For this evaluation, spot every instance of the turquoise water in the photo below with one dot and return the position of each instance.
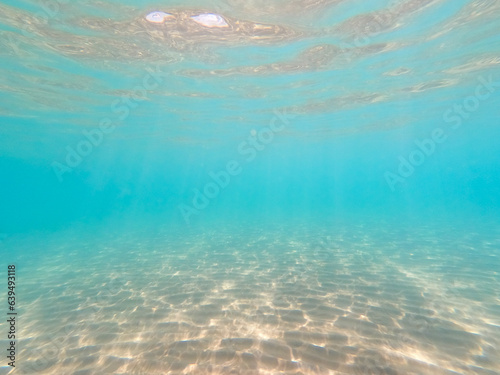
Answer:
(310, 187)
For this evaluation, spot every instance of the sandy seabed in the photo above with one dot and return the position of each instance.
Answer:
(334, 301)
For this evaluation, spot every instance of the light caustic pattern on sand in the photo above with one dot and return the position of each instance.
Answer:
(340, 301)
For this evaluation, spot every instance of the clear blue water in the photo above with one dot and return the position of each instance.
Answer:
(312, 188)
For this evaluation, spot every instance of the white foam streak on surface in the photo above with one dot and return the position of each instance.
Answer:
(210, 20)
(158, 17)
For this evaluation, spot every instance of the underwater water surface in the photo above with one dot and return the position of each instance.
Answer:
(250, 187)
